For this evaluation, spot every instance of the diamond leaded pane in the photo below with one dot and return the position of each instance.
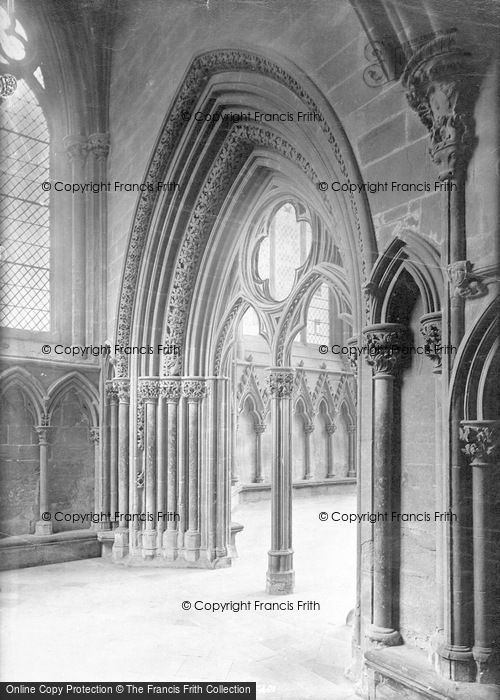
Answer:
(24, 213)
(318, 317)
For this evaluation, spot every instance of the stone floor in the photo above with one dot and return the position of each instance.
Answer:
(93, 621)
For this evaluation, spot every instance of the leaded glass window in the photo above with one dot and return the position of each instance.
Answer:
(24, 211)
(283, 251)
(318, 317)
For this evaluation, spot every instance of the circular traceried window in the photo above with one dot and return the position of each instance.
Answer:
(283, 251)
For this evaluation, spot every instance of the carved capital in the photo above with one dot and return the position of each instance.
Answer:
(94, 434)
(441, 88)
(98, 145)
(170, 389)
(308, 428)
(481, 441)
(76, 148)
(430, 328)
(43, 434)
(385, 346)
(149, 389)
(281, 383)
(194, 389)
(464, 283)
(260, 428)
(111, 390)
(122, 386)
(352, 358)
(331, 428)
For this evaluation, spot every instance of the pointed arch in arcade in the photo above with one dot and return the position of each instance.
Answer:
(180, 284)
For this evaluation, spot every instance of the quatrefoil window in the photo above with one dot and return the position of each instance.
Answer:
(283, 251)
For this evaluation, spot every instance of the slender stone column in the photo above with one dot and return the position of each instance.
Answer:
(219, 484)
(442, 89)
(98, 146)
(235, 476)
(233, 427)
(351, 452)
(170, 390)
(259, 430)
(137, 492)
(94, 437)
(280, 573)
(105, 461)
(430, 328)
(43, 527)
(384, 342)
(194, 390)
(149, 390)
(330, 429)
(161, 461)
(121, 542)
(112, 468)
(482, 448)
(308, 429)
(76, 149)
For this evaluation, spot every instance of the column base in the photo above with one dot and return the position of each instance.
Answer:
(149, 543)
(330, 476)
(135, 538)
(386, 636)
(192, 542)
(280, 582)
(487, 664)
(43, 527)
(456, 663)
(170, 551)
(120, 544)
(307, 477)
(280, 577)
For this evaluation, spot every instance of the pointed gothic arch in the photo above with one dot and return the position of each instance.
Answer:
(77, 382)
(229, 150)
(29, 386)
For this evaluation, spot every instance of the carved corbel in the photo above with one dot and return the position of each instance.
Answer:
(76, 148)
(463, 282)
(441, 88)
(98, 145)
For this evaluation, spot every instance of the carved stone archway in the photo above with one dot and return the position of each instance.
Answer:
(181, 246)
